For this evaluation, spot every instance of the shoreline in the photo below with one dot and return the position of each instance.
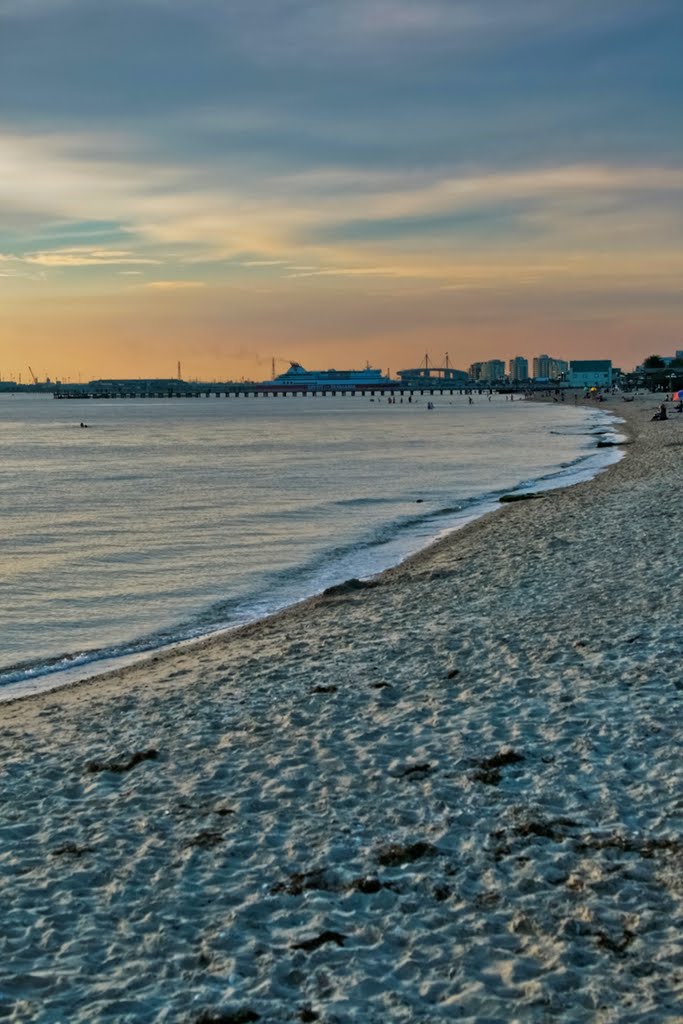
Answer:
(453, 792)
(69, 670)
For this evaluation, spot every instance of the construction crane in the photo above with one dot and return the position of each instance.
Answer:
(33, 376)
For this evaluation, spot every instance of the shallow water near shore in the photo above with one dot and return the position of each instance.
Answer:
(170, 520)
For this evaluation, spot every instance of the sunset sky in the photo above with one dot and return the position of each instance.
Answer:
(221, 182)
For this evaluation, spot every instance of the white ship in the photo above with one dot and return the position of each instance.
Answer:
(324, 380)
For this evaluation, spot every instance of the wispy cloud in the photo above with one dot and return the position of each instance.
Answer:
(172, 286)
(350, 272)
(84, 258)
(262, 263)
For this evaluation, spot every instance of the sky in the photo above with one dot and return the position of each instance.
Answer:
(228, 182)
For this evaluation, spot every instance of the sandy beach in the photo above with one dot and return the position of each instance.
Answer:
(451, 794)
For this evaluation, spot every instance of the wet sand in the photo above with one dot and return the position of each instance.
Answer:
(453, 794)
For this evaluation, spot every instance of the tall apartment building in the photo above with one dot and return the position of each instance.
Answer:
(548, 368)
(558, 367)
(493, 370)
(542, 366)
(475, 371)
(519, 369)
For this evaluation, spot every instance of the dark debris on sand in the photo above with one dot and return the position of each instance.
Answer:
(309, 945)
(349, 587)
(489, 770)
(557, 830)
(241, 1016)
(123, 765)
(307, 1015)
(442, 892)
(370, 884)
(416, 772)
(616, 946)
(321, 879)
(396, 854)
(206, 839)
(305, 881)
(72, 848)
(645, 846)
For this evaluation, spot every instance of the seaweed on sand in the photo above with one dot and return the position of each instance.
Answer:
(124, 765)
(489, 770)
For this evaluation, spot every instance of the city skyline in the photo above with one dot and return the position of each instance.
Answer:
(348, 183)
(514, 369)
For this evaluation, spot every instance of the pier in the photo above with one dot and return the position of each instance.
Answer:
(180, 389)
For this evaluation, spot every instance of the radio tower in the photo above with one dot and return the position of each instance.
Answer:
(180, 377)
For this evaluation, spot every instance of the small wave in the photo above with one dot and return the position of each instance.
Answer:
(27, 670)
(365, 502)
(575, 432)
(447, 511)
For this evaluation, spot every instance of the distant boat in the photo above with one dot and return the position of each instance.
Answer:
(324, 380)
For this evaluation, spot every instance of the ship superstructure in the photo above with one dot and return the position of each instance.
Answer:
(332, 379)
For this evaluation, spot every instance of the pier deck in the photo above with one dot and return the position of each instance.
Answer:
(436, 387)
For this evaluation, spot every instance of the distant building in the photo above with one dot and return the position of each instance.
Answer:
(558, 367)
(474, 371)
(493, 371)
(541, 366)
(519, 369)
(590, 373)
(548, 368)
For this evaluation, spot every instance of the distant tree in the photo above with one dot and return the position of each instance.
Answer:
(677, 362)
(654, 363)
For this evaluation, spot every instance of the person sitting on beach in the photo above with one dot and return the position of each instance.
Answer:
(661, 415)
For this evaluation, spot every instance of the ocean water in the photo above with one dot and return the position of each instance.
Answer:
(170, 519)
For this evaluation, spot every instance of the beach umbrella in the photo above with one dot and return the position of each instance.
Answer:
(677, 396)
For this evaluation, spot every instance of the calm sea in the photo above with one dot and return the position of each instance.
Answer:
(169, 519)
